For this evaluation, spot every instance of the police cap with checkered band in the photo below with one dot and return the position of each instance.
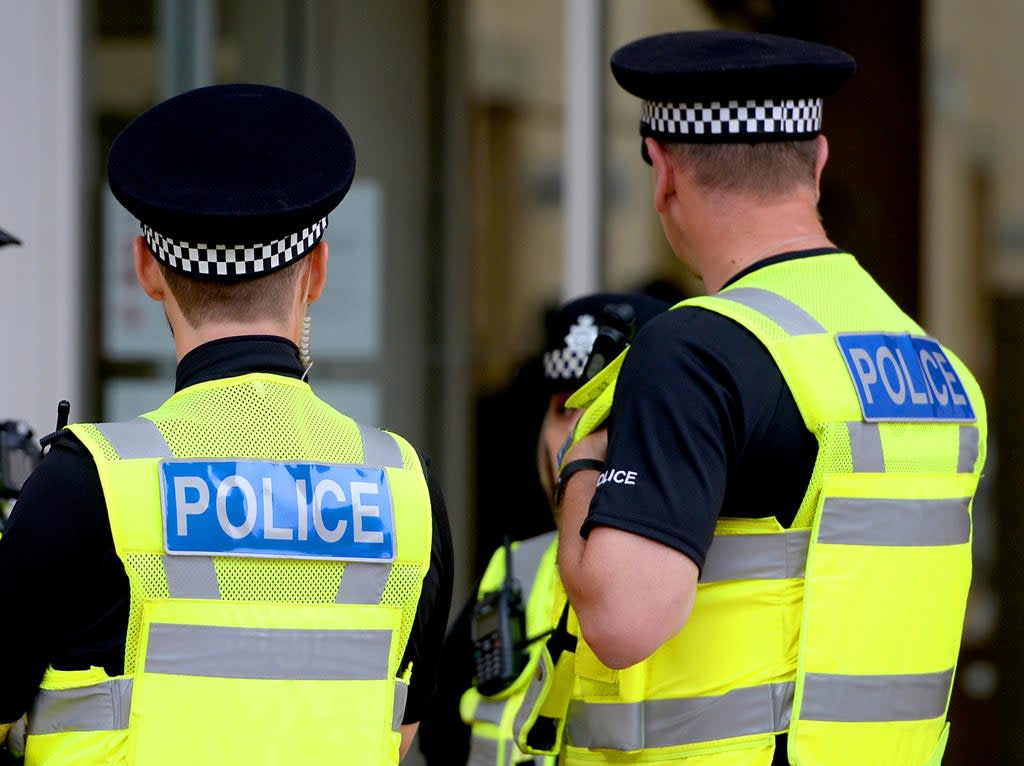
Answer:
(571, 329)
(719, 86)
(232, 182)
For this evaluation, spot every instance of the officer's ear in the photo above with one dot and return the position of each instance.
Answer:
(317, 265)
(820, 158)
(664, 175)
(147, 271)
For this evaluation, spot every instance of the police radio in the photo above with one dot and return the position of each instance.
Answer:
(614, 334)
(498, 630)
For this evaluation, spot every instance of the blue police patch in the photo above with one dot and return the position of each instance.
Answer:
(902, 377)
(270, 509)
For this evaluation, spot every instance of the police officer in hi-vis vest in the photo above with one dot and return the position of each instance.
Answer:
(466, 726)
(244, 574)
(772, 564)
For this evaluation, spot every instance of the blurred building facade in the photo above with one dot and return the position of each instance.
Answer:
(451, 245)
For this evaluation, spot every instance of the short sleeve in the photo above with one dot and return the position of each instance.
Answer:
(672, 437)
(703, 425)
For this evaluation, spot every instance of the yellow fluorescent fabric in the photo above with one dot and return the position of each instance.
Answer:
(276, 660)
(852, 649)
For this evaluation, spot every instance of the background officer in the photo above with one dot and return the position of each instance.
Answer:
(244, 575)
(780, 540)
(445, 739)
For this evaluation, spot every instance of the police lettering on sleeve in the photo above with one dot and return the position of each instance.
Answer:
(617, 476)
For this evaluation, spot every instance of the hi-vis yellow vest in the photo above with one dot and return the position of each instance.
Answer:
(844, 629)
(275, 551)
(498, 722)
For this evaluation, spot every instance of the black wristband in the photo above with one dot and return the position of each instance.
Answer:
(573, 467)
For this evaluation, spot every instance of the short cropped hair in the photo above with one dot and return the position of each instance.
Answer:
(765, 170)
(265, 297)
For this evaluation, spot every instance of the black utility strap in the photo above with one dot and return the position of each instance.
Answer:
(561, 639)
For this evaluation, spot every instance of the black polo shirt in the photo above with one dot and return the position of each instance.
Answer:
(64, 590)
(703, 425)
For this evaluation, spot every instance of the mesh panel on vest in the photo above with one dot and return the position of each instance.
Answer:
(146, 571)
(279, 580)
(269, 421)
(402, 579)
(920, 447)
(108, 451)
(834, 270)
(909, 448)
(833, 457)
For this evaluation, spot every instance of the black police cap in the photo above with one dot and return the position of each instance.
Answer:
(571, 330)
(232, 181)
(720, 86)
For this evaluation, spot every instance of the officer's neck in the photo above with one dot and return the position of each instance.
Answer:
(188, 338)
(728, 233)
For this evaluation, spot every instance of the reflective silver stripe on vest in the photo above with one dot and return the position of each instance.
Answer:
(877, 521)
(756, 557)
(868, 456)
(859, 699)
(279, 654)
(786, 314)
(191, 577)
(969, 438)
(139, 438)
(866, 447)
(483, 751)
(363, 583)
(533, 692)
(526, 559)
(101, 707)
(380, 447)
(490, 711)
(669, 722)
(401, 697)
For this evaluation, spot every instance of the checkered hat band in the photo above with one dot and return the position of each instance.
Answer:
(565, 363)
(733, 118)
(200, 259)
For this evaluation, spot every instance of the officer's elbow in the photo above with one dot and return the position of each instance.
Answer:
(637, 599)
(621, 642)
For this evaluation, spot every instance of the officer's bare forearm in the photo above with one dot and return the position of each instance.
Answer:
(586, 580)
(630, 593)
(575, 505)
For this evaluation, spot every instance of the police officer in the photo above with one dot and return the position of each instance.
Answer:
(489, 733)
(778, 542)
(243, 575)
